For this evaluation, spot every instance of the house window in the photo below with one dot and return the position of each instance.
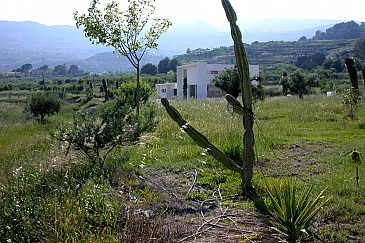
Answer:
(185, 73)
(192, 91)
(175, 92)
(163, 90)
(214, 72)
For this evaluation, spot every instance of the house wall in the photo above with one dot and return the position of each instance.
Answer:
(200, 75)
(168, 87)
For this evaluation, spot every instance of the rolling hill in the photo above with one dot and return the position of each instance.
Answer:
(29, 42)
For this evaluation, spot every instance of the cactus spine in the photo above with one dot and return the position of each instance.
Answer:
(245, 110)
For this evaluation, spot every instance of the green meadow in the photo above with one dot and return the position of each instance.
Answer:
(165, 188)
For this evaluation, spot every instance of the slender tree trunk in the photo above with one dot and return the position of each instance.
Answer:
(363, 75)
(138, 88)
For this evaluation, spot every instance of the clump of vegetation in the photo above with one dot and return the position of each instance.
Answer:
(42, 104)
(291, 210)
(112, 124)
(229, 82)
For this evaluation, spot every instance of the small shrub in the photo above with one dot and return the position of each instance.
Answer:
(42, 105)
(113, 124)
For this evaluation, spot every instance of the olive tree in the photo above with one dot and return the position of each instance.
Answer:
(43, 104)
(124, 31)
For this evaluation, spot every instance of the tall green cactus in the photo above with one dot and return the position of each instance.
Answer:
(248, 119)
(245, 110)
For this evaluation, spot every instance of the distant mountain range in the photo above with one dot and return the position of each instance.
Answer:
(29, 42)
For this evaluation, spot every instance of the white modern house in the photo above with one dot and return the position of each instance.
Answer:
(166, 90)
(199, 76)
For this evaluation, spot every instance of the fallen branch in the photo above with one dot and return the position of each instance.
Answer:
(193, 184)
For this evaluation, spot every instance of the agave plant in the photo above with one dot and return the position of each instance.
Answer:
(292, 212)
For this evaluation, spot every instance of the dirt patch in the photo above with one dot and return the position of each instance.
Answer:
(210, 220)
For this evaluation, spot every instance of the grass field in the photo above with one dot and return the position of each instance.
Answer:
(169, 185)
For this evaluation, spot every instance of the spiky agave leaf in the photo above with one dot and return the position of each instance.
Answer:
(292, 212)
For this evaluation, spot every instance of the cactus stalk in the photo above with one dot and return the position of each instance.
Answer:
(245, 110)
(248, 119)
(199, 138)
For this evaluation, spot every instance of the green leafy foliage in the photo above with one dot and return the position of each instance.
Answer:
(24, 68)
(228, 81)
(43, 104)
(124, 30)
(149, 68)
(126, 92)
(167, 64)
(113, 124)
(344, 30)
(298, 83)
(291, 210)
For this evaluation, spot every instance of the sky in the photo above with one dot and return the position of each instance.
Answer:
(60, 12)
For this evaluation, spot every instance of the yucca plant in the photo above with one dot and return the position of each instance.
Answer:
(291, 210)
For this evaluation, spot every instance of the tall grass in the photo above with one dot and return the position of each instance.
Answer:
(46, 194)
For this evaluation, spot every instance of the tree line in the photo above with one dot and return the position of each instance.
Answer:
(164, 66)
(59, 70)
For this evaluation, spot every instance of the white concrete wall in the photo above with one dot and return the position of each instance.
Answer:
(169, 87)
(201, 75)
(254, 70)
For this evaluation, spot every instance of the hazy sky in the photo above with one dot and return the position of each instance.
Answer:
(59, 12)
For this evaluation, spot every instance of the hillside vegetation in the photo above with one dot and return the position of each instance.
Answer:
(337, 41)
(169, 184)
(63, 180)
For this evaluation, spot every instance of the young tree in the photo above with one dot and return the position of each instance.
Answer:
(228, 81)
(124, 30)
(298, 83)
(113, 124)
(185, 87)
(43, 104)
